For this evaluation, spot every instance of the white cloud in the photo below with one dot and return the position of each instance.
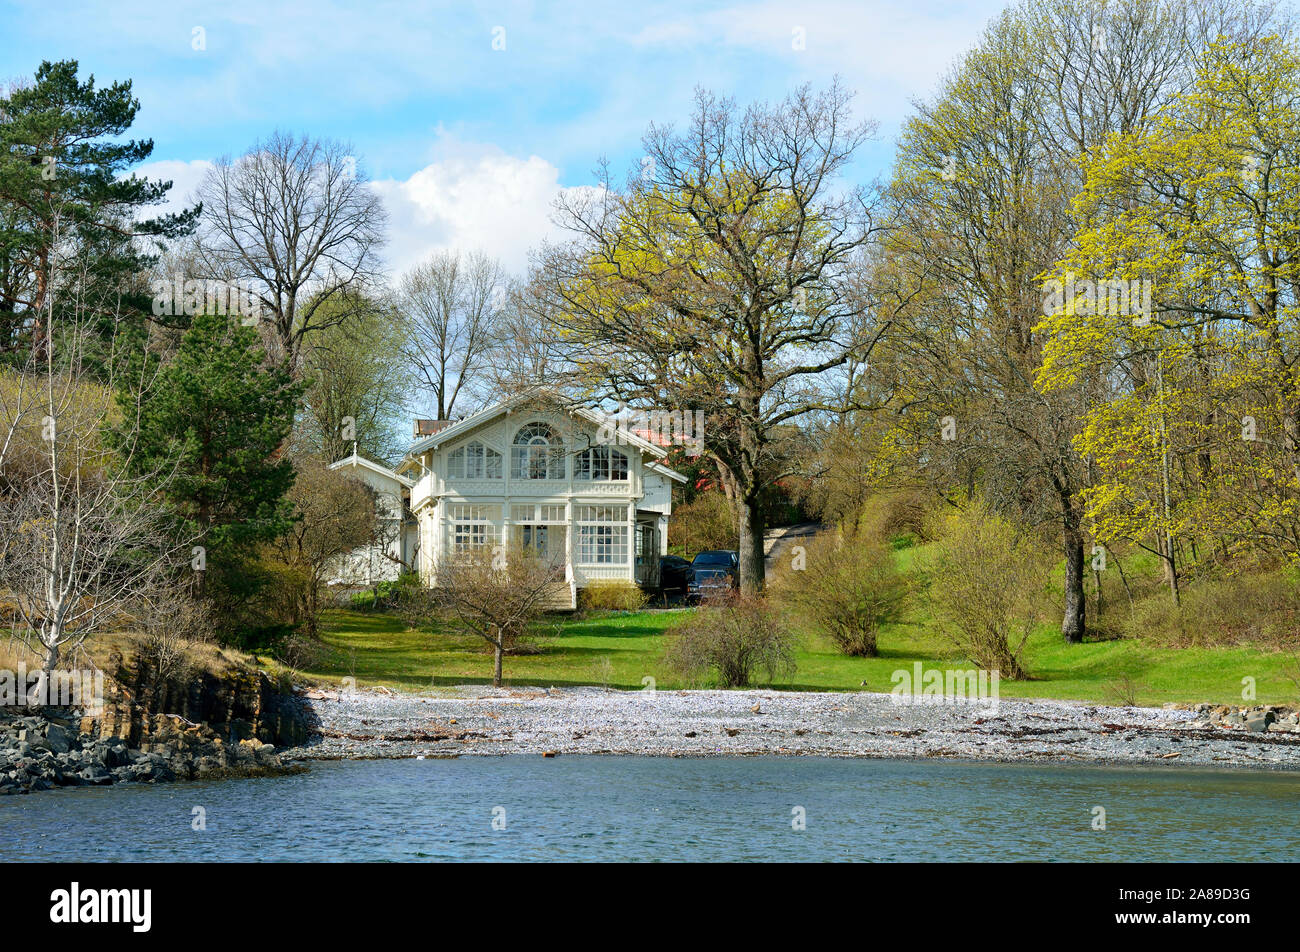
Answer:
(888, 51)
(184, 176)
(471, 199)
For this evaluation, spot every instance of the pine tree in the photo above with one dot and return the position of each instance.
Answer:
(63, 185)
(220, 413)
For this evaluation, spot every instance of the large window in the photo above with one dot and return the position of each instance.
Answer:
(538, 512)
(602, 534)
(538, 453)
(601, 462)
(472, 526)
(474, 461)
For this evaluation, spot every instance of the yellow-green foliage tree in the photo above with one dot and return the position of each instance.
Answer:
(723, 279)
(1195, 436)
(982, 192)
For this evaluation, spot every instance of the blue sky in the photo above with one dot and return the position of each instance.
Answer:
(467, 143)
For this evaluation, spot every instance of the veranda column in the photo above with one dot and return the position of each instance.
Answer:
(631, 540)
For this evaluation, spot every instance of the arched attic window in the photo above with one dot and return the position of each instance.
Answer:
(537, 453)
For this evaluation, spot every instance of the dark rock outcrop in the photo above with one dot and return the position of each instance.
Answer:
(42, 751)
(156, 728)
(238, 704)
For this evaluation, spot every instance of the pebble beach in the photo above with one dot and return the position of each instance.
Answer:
(474, 720)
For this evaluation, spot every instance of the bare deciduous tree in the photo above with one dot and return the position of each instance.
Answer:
(83, 539)
(335, 514)
(449, 307)
(296, 219)
(490, 592)
(525, 352)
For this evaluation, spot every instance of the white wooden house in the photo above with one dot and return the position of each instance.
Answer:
(396, 548)
(540, 472)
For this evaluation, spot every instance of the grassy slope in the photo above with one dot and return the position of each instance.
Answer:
(376, 649)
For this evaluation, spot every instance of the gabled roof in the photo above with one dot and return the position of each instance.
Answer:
(670, 473)
(487, 414)
(356, 460)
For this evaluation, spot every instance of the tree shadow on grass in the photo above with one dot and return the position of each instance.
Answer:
(602, 631)
(542, 682)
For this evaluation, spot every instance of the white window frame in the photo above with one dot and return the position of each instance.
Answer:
(601, 464)
(470, 526)
(537, 453)
(602, 534)
(474, 460)
(545, 513)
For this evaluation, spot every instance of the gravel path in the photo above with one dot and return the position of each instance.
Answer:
(777, 543)
(476, 720)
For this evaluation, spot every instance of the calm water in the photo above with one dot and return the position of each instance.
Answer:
(633, 808)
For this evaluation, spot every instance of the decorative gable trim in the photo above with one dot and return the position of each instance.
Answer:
(356, 460)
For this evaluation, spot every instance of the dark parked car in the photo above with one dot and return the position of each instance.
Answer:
(713, 572)
(674, 573)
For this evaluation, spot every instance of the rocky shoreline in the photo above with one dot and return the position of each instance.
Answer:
(483, 721)
(221, 718)
(46, 750)
(41, 751)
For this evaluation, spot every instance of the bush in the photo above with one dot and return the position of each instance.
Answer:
(848, 589)
(612, 595)
(1260, 609)
(260, 638)
(731, 636)
(900, 518)
(385, 595)
(170, 628)
(986, 586)
(298, 651)
(705, 523)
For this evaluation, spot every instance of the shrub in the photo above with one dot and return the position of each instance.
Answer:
(298, 651)
(986, 586)
(612, 595)
(731, 636)
(900, 518)
(385, 595)
(284, 598)
(848, 589)
(705, 523)
(268, 638)
(1259, 609)
(170, 628)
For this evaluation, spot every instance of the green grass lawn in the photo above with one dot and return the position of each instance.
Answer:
(622, 649)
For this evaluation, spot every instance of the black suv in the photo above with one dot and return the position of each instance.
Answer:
(713, 572)
(674, 573)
